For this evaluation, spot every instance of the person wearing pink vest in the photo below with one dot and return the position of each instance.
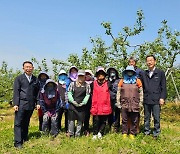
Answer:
(101, 104)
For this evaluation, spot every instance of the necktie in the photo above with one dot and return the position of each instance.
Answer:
(29, 78)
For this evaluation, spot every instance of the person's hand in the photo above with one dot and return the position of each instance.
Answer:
(81, 104)
(47, 113)
(118, 105)
(16, 108)
(75, 103)
(161, 101)
(38, 107)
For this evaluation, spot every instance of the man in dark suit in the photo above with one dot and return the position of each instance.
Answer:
(26, 90)
(154, 87)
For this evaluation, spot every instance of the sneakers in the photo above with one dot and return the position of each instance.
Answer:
(116, 130)
(94, 137)
(131, 136)
(124, 136)
(99, 135)
(86, 133)
(155, 137)
(18, 146)
(69, 135)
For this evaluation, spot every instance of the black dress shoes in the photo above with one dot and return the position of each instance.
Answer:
(18, 146)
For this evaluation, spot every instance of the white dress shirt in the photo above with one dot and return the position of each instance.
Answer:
(28, 77)
(151, 72)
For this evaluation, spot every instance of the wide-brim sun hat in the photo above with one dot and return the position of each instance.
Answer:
(72, 68)
(100, 69)
(62, 72)
(81, 72)
(43, 72)
(50, 81)
(90, 72)
(129, 68)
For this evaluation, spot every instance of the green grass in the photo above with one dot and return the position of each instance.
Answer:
(168, 142)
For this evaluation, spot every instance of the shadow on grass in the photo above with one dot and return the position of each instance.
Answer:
(35, 135)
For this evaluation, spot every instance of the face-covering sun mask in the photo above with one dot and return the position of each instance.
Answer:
(88, 77)
(130, 73)
(73, 76)
(50, 90)
(112, 76)
(43, 80)
(62, 78)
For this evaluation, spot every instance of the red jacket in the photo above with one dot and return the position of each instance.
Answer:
(101, 104)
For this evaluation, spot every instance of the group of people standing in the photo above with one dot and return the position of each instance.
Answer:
(80, 93)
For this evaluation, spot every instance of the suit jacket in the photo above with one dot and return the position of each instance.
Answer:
(25, 92)
(154, 88)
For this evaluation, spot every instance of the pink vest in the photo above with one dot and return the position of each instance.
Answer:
(101, 104)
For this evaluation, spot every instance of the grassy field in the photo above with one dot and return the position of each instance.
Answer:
(168, 142)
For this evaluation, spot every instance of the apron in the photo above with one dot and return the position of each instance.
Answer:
(77, 113)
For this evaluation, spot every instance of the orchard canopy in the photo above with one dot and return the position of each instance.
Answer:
(166, 47)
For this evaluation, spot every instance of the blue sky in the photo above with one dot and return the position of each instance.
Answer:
(55, 28)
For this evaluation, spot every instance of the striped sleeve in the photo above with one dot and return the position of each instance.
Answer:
(139, 83)
(120, 83)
